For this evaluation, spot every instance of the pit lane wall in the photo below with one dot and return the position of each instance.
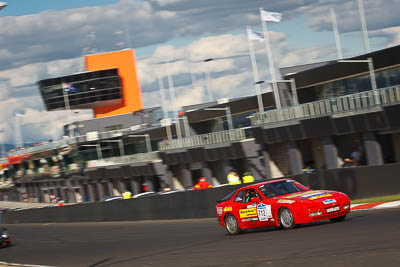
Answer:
(357, 182)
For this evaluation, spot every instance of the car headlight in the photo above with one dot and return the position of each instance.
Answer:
(4, 235)
(315, 212)
(345, 207)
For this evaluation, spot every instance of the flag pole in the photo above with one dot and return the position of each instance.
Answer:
(193, 77)
(255, 72)
(68, 108)
(336, 33)
(209, 87)
(270, 60)
(364, 26)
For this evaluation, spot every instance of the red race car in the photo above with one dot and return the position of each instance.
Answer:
(279, 203)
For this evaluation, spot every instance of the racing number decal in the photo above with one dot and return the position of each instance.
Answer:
(264, 212)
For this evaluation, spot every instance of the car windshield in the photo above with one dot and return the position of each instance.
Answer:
(280, 188)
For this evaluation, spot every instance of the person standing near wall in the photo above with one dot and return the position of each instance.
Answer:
(248, 178)
(233, 178)
(126, 195)
(202, 184)
(356, 156)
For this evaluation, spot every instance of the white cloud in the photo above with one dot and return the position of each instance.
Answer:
(190, 96)
(348, 16)
(166, 2)
(392, 35)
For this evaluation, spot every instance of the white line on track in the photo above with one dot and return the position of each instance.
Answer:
(25, 265)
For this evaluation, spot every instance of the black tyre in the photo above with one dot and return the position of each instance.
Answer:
(286, 219)
(231, 225)
(338, 219)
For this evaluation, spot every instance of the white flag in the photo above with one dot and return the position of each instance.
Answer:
(271, 16)
(255, 35)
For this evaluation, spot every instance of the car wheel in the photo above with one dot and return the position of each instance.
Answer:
(338, 219)
(232, 225)
(286, 220)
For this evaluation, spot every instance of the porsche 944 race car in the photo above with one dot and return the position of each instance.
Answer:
(279, 203)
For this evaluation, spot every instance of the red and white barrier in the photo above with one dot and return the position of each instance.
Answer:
(377, 205)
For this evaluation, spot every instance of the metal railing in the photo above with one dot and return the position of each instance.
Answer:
(203, 139)
(115, 133)
(42, 147)
(70, 141)
(344, 105)
(129, 159)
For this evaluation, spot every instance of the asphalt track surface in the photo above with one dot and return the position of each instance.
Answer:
(365, 238)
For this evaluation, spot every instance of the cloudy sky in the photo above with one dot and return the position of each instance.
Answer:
(45, 38)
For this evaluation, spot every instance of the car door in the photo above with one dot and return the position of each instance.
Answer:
(265, 208)
(250, 209)
(244, 212)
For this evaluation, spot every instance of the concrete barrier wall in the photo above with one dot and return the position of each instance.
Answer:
(360, 182)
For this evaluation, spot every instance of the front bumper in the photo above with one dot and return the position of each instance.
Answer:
(330, 215)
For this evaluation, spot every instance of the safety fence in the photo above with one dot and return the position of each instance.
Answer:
(357, 103)
(203, 139)
(129, 159)
(57, 144)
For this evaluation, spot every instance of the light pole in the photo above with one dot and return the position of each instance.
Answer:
(19, 141)
(173, 99)
(185, 124)
(98, 148)
(3, 5)
(208, 78)
(228, 115)
(336, 33)
(2, 147)
(147, 138)
(255, 70)
(207, 72)
(371, 73)
(292, 85)
(120, 143)
(164, 106)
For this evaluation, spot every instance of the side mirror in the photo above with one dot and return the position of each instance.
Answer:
(255, 199)
(238, 199)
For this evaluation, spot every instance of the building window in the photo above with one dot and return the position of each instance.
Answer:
(384, 78)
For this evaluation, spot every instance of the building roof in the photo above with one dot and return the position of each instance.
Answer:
(310, 75)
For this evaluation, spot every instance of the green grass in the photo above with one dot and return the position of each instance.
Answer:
(376, 199)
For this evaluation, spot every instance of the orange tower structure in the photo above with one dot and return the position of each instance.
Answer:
(124, 61)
